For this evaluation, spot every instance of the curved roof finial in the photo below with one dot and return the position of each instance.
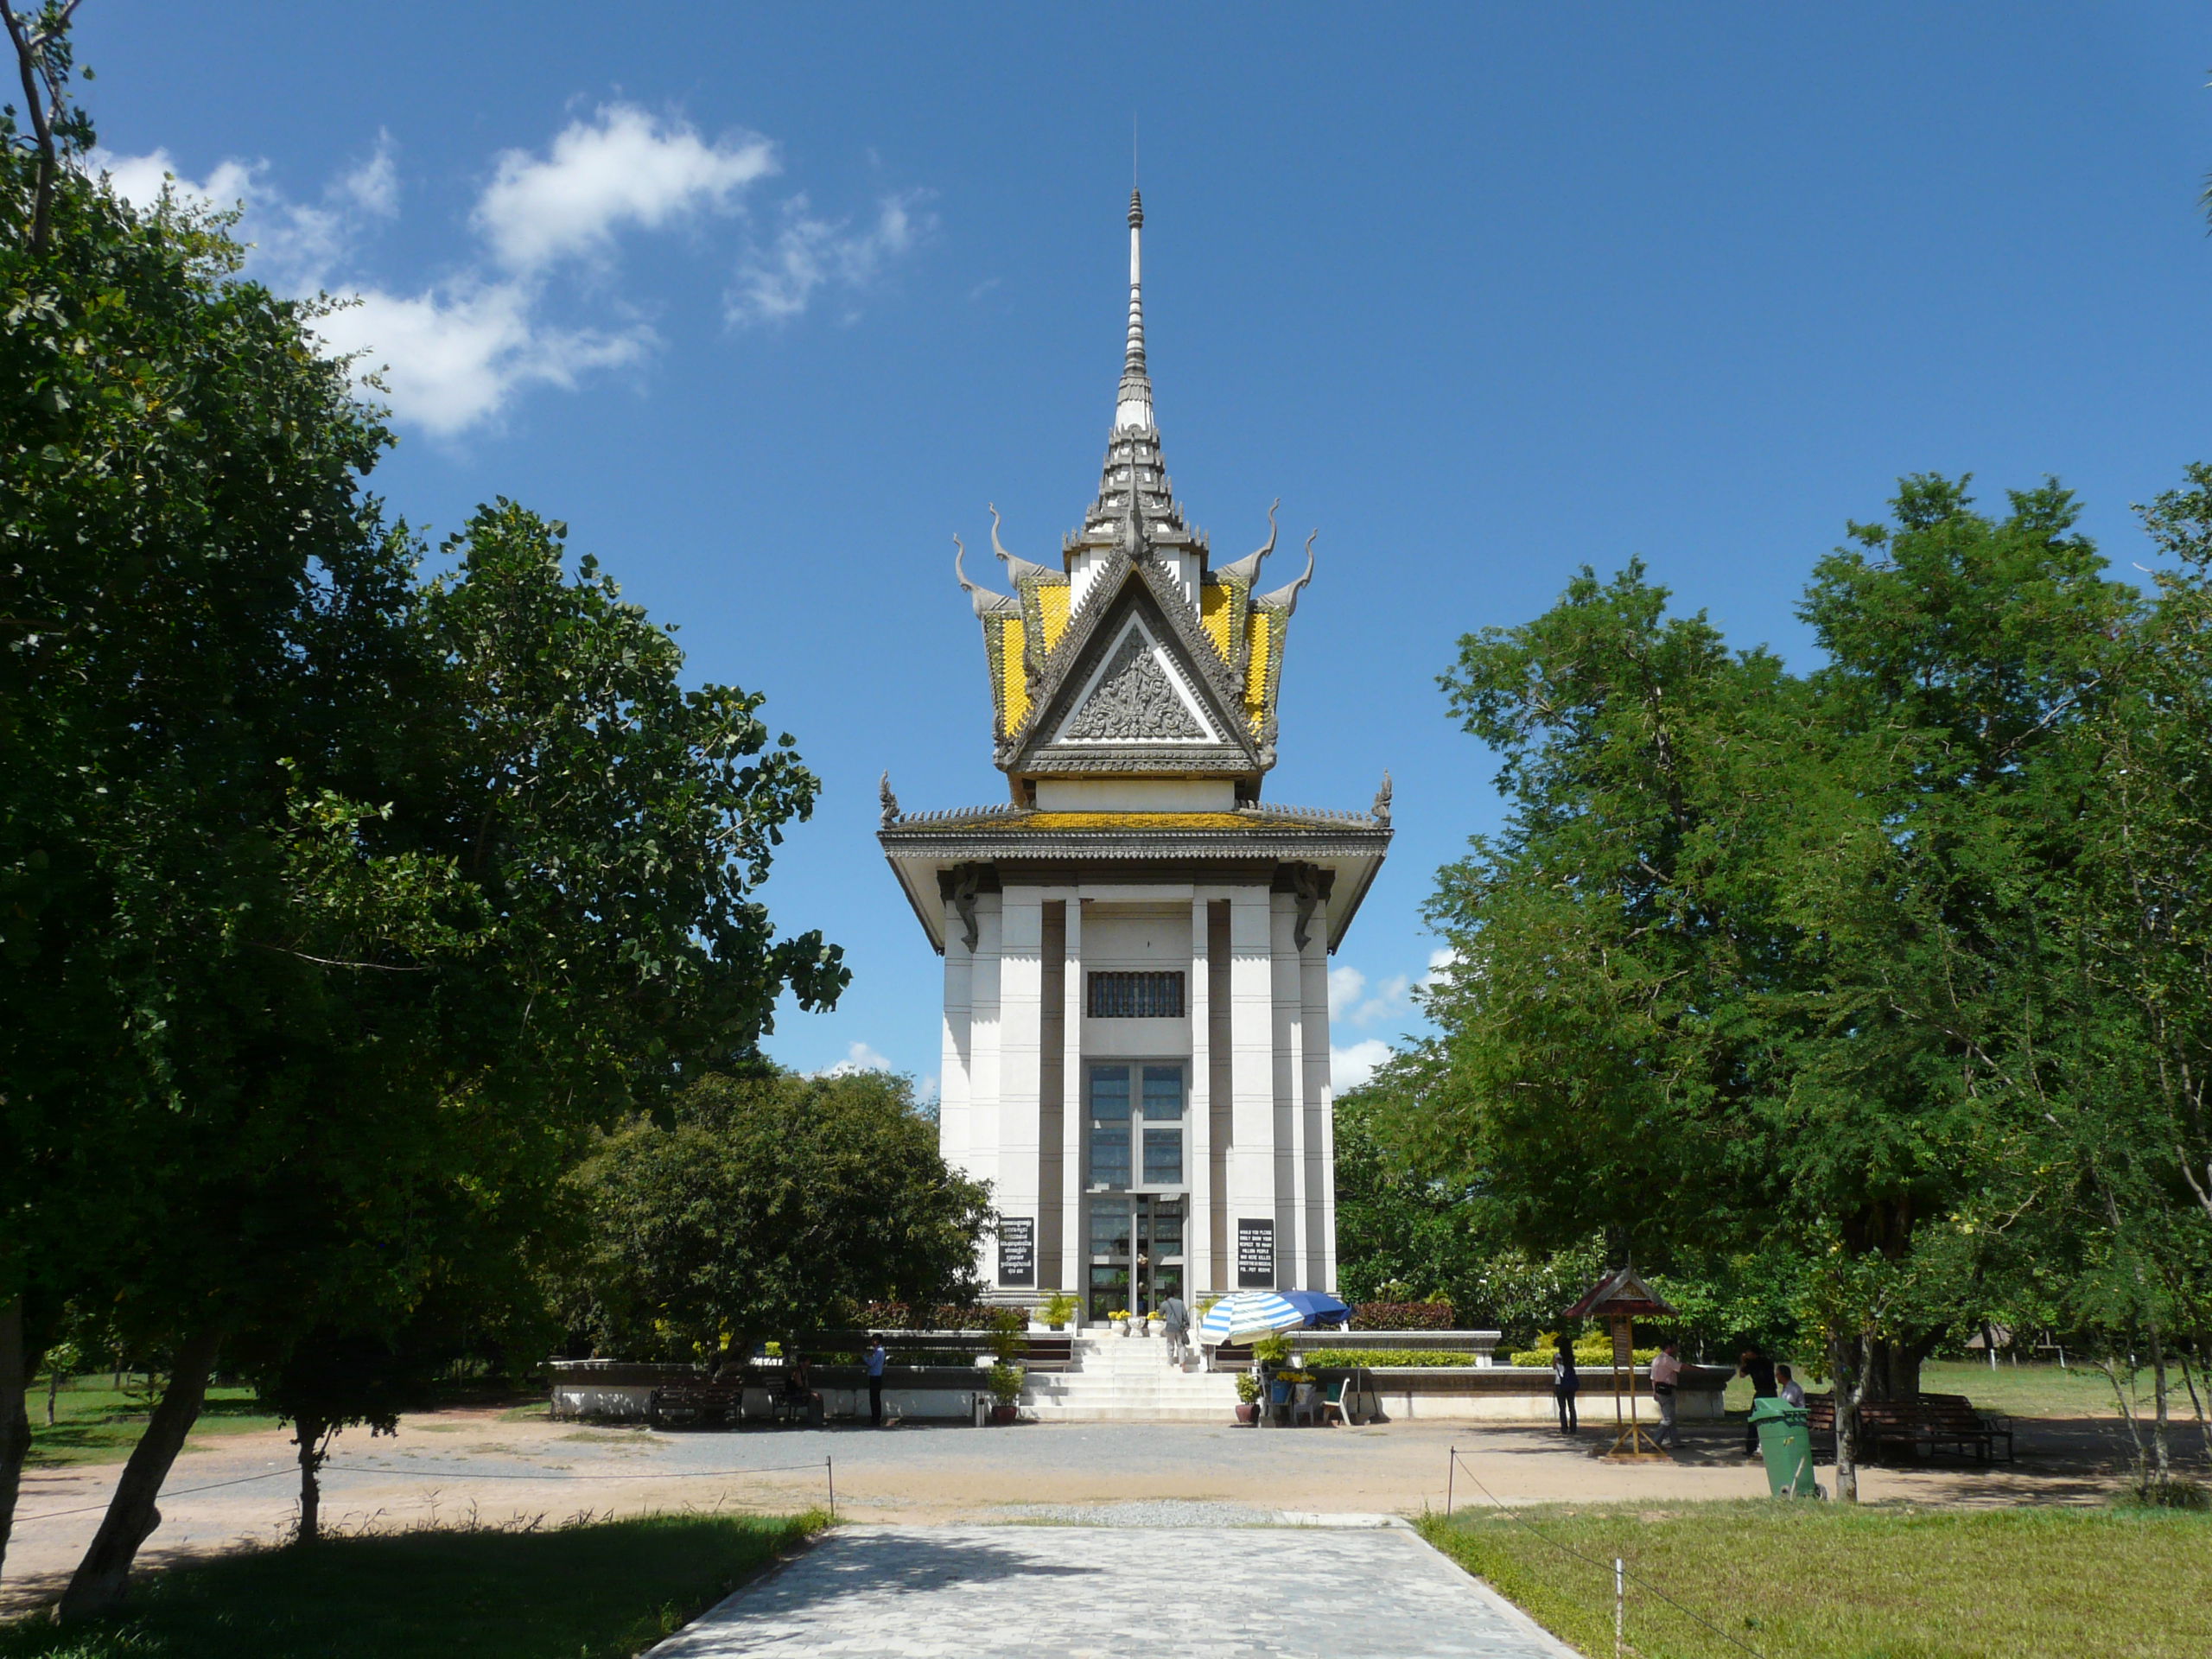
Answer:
(1247, 568)
(1285, 598)
(985, 601)
(1017, 568)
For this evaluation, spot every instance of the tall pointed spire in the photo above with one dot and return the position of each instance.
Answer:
(1133, 407)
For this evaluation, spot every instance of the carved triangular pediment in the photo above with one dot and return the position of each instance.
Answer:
(1134, 686)
(1136, 695)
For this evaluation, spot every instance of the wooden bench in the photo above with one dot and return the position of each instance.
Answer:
(1048, 1353)
(1928, 1422)
(698, 1402)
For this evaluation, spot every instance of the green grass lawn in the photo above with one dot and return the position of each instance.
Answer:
(95, 1423)
(2039, 1390)
(603, 1590)
(1807, 1580)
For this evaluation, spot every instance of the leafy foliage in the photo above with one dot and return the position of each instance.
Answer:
(768, 1204)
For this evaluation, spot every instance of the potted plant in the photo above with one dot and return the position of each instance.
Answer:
(1154, 1324)
(1121, 1318)
(1247, 1398)
(1059, 1308)
(1005, 1384)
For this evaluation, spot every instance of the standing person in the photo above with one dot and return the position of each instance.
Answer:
(1757, 1366)
(1666, 1373)
(1786, 1385)
(1565, 1384)
(1175, 1319)
(873, 1358)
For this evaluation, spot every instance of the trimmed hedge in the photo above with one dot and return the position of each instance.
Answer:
(1402, 1316)
(900, 1316)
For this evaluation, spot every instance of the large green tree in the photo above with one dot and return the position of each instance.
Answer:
(336, 910)
(767, 1205)
(1739, 970)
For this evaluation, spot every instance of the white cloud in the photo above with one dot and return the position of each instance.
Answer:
(625, 168)
(1350, 1067)
(1350, 1004)
(373, 187)
(858, 1059)
(778, 283)
(450, 359)
(453, 356)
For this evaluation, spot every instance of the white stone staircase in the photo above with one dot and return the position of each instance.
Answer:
(1127, 1380)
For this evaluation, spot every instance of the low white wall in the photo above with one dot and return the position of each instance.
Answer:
(1594, 1411)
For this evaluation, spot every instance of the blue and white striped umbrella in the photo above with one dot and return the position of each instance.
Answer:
(1247, 1314)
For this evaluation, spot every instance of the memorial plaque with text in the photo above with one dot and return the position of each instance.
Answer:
(1017, 1250)
(1256, 1254)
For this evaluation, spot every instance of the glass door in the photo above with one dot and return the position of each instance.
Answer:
(1135, 1151)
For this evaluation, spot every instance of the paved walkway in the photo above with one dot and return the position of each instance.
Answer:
(1228, 1592)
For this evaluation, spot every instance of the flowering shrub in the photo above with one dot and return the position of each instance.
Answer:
(1402, 1316)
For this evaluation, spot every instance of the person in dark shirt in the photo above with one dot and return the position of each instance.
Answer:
(1757, 1366)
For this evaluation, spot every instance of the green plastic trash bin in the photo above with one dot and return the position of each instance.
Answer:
(1786, 1444)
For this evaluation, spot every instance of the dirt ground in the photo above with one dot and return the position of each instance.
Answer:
(473, 1467)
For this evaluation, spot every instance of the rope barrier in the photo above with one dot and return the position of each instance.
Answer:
(827, 1466)
(1620, 1570)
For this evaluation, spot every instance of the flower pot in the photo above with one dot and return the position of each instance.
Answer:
(1248, 1414)
(1006, 1414)
(1121, 1328)
(1154, 1327)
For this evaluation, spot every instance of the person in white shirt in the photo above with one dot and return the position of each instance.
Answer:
(1666, 1372)
(1786, 1385)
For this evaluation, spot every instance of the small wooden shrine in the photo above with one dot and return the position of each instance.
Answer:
(1620, 1300)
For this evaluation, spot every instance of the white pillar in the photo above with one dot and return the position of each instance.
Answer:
(1316, 1109)
(1021, 991)
(1075, 1244)
(1290, 1077)
(1252, 1063)
(955, 1091)
(1198, 1228)
(983, 1049)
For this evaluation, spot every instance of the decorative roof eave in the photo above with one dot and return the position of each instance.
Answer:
(920, 853)
(1218, 680)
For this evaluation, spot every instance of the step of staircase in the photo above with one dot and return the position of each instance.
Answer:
(1129, 1380)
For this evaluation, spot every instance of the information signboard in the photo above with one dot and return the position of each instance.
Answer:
(1255, 1253)
(1017, 1250)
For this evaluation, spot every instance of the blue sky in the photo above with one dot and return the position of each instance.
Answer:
(768, 303)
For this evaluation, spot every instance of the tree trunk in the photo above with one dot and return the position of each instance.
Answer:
(2159, 1443)
(313, 1438)
(98, 1585)
(1848, 1378)
(14, 1420)
(52, 1392)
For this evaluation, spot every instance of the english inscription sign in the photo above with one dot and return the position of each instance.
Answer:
(1017, 1250)
(1256, 1254)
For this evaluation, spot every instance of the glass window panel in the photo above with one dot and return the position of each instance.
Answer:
(1110, 1092)
(1163, 1157)
(1163, 1092)
(1109, 1155)
(1167, 1235)
(1109, 1228)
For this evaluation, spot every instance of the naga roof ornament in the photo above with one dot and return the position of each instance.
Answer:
(1135, 656)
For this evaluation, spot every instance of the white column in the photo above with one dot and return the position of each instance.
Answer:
(1021, 977)
(1318, 1108)
(954, 1086)
(1252, 1063)
(983, 1048)
(1075, 1246)
(1290, 1077)
(1197, 1229)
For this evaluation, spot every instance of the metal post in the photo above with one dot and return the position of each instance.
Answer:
(1451, 1469)
(1620, 1604)
(830, 1466)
